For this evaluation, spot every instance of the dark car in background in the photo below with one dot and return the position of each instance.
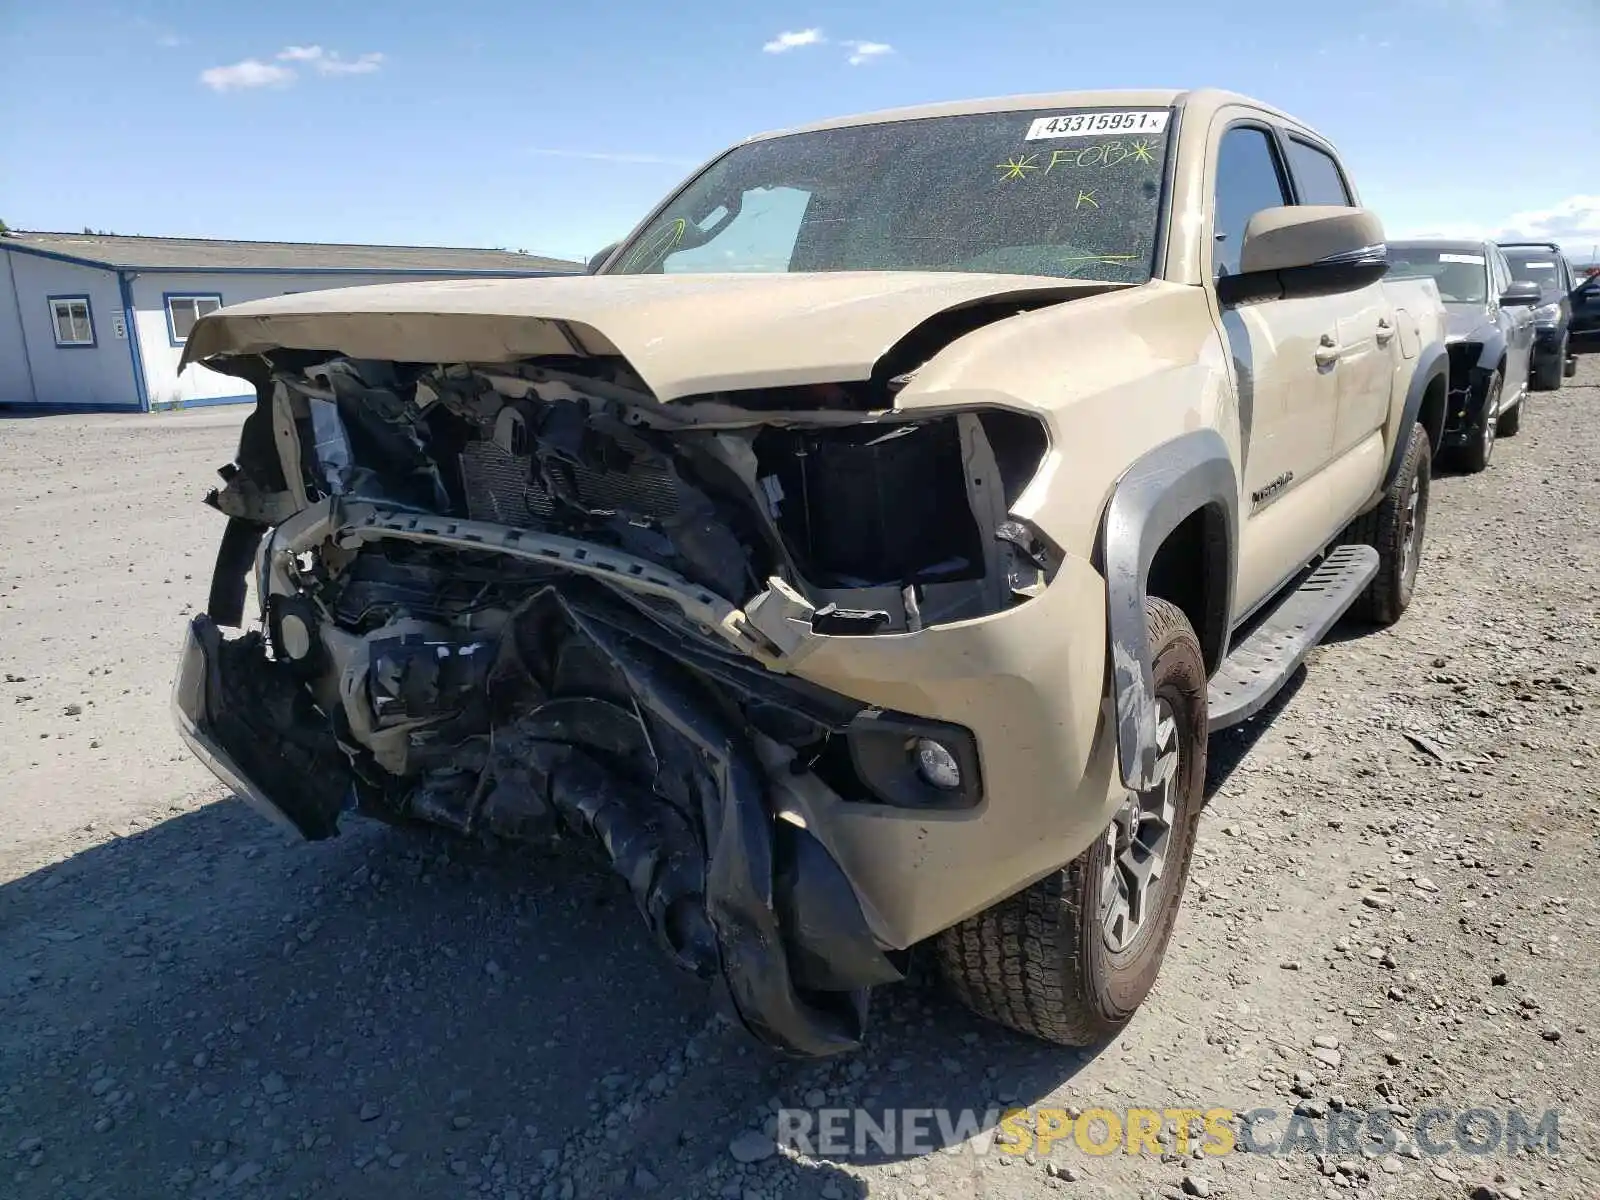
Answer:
(1585, 301)
(1490, 339)
(1543, 264)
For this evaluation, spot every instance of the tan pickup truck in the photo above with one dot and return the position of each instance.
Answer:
(858, 556)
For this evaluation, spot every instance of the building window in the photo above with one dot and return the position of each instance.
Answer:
(74, 324)
(184, 311)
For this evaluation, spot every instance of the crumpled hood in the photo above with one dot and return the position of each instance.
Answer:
(683, 334)
(1467, 322)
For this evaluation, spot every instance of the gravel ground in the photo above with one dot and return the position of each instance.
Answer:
(1393, 902)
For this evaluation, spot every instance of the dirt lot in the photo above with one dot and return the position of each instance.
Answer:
(1394, 902)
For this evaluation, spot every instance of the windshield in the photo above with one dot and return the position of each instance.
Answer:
(1537, 266)
(1073, 194)
(1461, 275)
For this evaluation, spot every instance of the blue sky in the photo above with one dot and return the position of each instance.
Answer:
(553, 127)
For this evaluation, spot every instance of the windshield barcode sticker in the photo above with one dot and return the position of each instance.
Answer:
(1471, 260)
(1540, 266)
(1092, 123)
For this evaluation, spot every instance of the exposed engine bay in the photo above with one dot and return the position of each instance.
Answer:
(527, 598)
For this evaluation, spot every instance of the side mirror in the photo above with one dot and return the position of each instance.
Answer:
(598, 258)
(1521, 295)
(1305, 250)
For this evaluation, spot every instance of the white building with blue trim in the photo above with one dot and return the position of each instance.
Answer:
(98, 321)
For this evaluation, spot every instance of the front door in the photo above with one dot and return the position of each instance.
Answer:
(1286, 363)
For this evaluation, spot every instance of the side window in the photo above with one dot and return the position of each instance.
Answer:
(1500, 276)
(1317, 177)
(1248, 180)
(73, 320)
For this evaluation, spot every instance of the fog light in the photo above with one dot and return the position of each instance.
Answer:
(937, 765)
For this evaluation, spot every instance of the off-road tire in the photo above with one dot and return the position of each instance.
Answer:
(1384, 529)
(1549, 374)
(1037, 961)
(1475, 455)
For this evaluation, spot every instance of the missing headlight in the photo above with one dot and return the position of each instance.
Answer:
(872, 505)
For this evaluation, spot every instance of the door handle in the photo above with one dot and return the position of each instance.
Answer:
(1327, 351)
(1385, 333)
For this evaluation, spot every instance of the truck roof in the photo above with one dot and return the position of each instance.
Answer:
(1202, 100)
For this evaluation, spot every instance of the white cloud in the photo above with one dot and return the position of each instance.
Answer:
(1573, 223)
(253, 73)
(170, 41)
(624, 156)
(793, 40)
(862, 53)
(247, 74)
(364, 64)
(330, 62)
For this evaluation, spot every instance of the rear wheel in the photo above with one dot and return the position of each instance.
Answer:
(1071, 957)
(1511, 422)
(1547, 375)
(1475, 455)
(1395, 530)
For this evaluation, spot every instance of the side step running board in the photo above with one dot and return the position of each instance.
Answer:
(1261, 664)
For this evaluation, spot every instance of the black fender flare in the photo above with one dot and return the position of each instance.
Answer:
(1432, 363)
(1152, 498)
(1494, 349)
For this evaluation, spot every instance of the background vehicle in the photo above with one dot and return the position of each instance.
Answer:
(1544, 264)
(1490, 340)
(862, 554)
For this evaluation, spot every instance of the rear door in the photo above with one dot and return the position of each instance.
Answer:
(1364, 323)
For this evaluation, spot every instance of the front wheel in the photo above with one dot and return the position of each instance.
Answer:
(1069, 958)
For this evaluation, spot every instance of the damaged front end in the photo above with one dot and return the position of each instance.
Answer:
(1469, 390)
(530, 598)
